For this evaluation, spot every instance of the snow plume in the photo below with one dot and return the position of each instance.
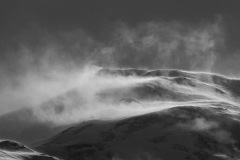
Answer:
(33, 71)
(94, 97)
(61, 100)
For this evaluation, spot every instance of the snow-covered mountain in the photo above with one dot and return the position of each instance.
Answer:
(133, 114)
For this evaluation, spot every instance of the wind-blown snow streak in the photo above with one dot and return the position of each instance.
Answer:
(106, 96)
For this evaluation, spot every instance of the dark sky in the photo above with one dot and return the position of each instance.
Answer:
(96, 16)
(25, 20)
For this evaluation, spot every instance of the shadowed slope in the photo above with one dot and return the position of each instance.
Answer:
(178, 133)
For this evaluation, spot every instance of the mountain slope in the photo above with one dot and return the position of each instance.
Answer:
(178, 133)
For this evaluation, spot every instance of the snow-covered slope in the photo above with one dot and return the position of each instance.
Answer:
(10, 150)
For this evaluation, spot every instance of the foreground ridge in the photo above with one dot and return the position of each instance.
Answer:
(11, 150)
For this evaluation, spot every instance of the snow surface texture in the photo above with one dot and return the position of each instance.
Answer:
(10, 150)
(132, 114)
